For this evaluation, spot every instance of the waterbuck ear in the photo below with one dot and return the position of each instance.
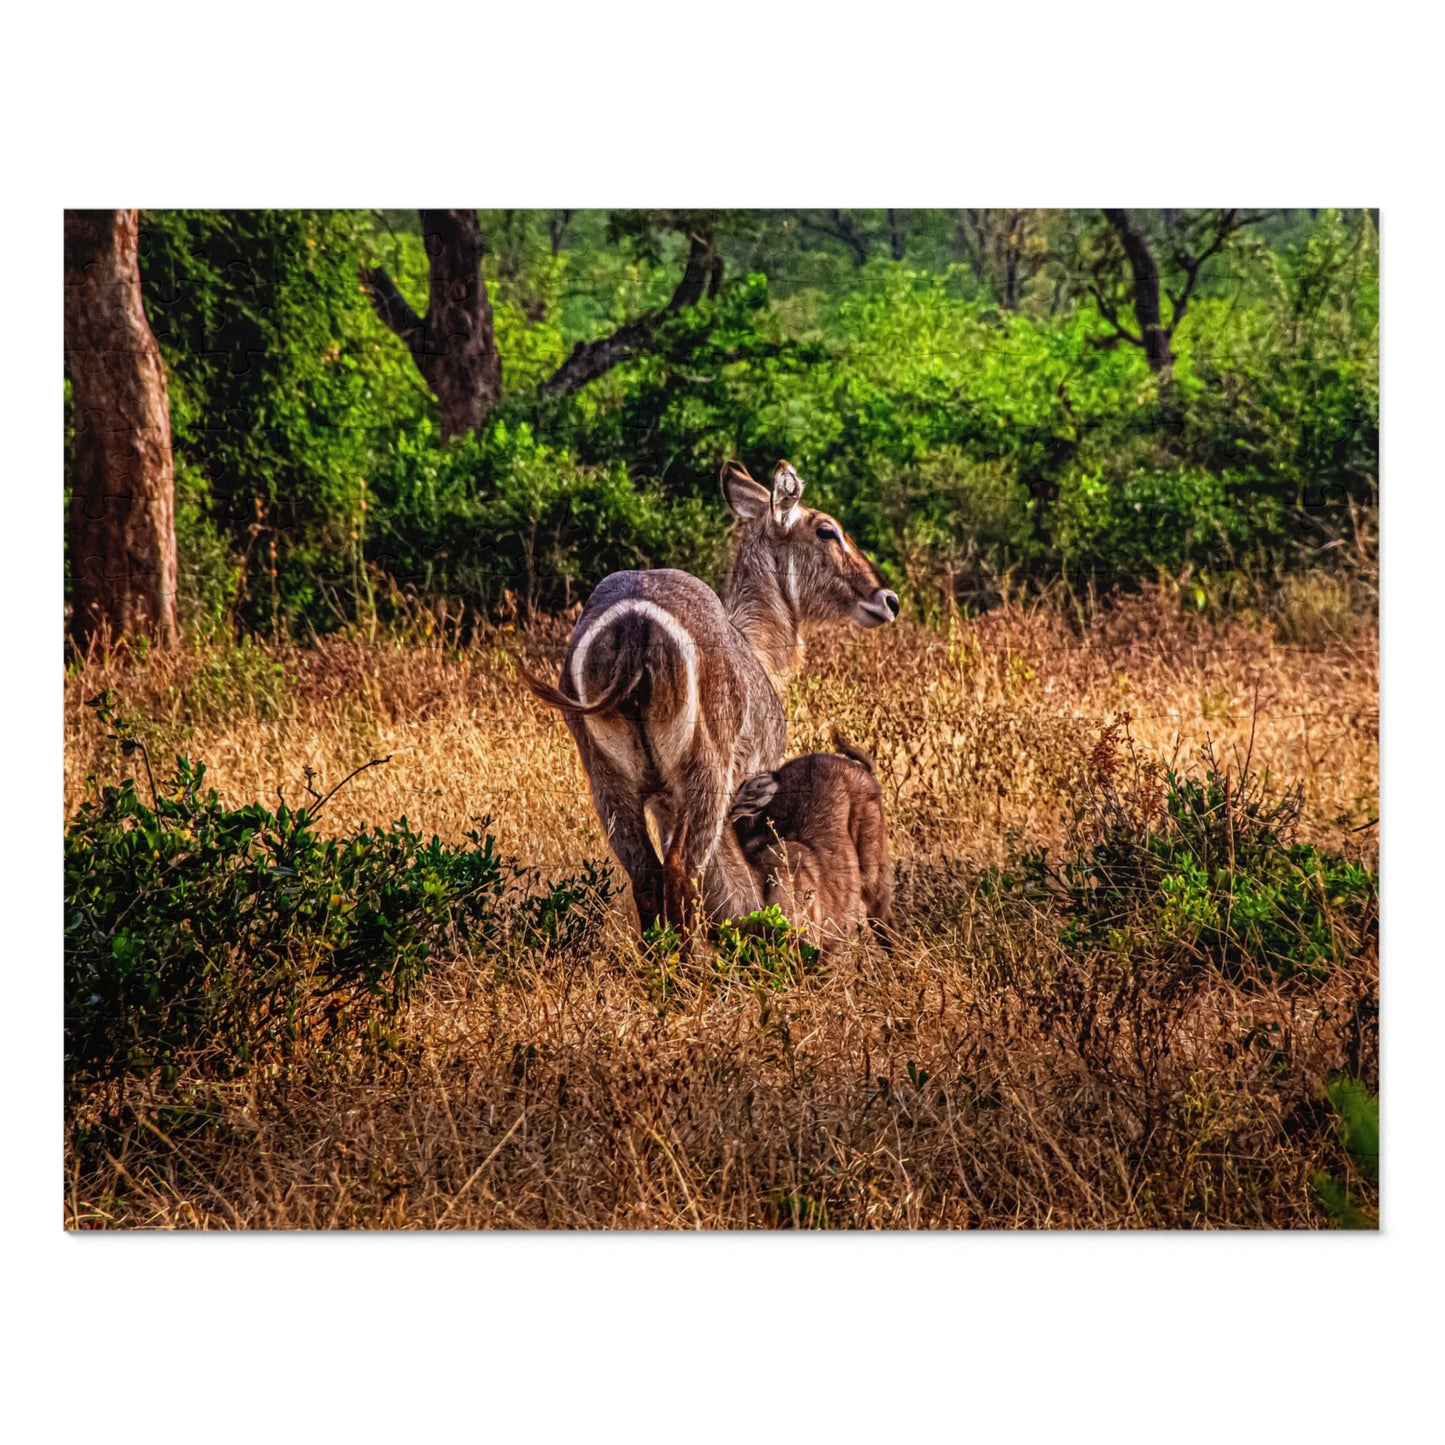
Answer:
(752, 796)
(787, 493)
(746, 499)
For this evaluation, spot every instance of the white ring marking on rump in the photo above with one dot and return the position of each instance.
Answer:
(675, 738)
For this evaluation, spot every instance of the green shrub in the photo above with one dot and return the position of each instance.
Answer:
(506, 523)
(1205, 870)
(1151, 519)
(230, 934)
(763, 948)
(1283, 392)
(662, 966)
(285, 393)
(960, 525)
(209, 572)
(1357, 1121)
(565, 918)
(722, 379)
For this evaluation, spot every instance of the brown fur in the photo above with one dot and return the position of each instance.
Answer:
(814, 837)
(646, 757)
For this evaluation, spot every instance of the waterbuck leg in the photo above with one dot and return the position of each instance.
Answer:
(677, 885)
(647, 895)
(630, 844)
(690, 858)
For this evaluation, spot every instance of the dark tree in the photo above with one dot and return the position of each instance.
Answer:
(701, 276)
(121, 532)
(453, 345)
(897, 235)
(557, 229)
(840, 227)
(1189, 239)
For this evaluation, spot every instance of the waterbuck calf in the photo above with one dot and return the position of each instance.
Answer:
(813, 836)
(670, 693)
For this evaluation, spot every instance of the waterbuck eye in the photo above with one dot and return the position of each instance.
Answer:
(829, 533)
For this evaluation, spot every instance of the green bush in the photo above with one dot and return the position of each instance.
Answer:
(1205, 870)
(507, 523)
(763, 948)
(1282, 393)
(229, 934)
(285, 393)
(1132, 527)
(1353, 1204)
(210, 572)
(564, 918)
(721, 379)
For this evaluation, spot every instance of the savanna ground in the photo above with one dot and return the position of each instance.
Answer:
(986, 1072)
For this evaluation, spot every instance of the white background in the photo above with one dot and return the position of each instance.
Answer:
(987, 1337)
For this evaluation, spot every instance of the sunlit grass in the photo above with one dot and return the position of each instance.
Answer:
(974, 1076)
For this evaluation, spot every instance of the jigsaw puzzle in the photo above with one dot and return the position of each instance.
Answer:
(823, 719)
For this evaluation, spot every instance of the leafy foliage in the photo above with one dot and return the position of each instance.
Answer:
(1204, 870)
(284, 394)
(764, 948)
(967, 409)
(506, 523)
(232, 933)
(1357, 1117)
(565, 918)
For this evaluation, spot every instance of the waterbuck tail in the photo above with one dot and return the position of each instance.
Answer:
(610, 700)
(842, 745)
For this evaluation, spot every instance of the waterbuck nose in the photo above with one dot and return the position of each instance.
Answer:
(889, 600)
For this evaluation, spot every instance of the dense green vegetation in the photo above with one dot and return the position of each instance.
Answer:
(961, 387)
(230, 935)
(995, 403)
(1353, 1203)
(1174, 870)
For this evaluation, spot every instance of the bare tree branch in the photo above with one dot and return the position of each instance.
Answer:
(841, 228)
(702, 275)
(396, 313)
(1110, 313)
(1226, 224)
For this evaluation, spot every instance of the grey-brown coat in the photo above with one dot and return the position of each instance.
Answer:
(670, 691)
(813, 836)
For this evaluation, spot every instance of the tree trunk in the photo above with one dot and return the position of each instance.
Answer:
(122, 535)
(1147, 306)
(898, 235)
(453, 345)
(841, 228)
(850, 236)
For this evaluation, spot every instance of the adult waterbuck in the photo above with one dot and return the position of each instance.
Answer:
(670, 693)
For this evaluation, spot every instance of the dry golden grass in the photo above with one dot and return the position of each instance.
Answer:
(572, 1092)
